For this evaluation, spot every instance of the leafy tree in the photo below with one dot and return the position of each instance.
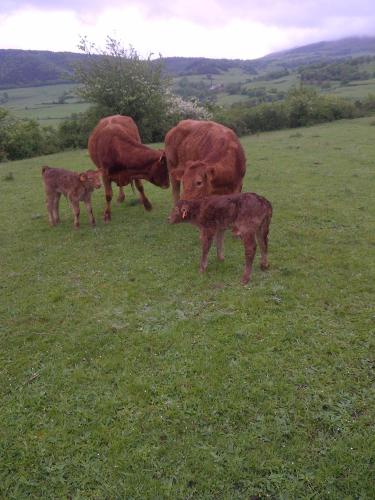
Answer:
(118, 81)
(24, 138)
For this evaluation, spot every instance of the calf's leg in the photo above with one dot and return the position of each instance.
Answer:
(250, 248)
(50, 204)
(56, 208)
(262, 239)
(75, 207)
(90, 213)
(206, 239)
(142, 196)
(219, 239)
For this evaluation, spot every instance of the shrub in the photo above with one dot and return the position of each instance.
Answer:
(24, 138)
(301, 107)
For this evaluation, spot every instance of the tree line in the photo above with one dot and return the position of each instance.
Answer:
(118, 81)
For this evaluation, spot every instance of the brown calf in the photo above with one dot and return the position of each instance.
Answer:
(248, 214)
(76, 187)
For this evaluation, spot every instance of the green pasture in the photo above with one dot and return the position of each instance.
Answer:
(124, 373)
(355, 90)
(40, 103)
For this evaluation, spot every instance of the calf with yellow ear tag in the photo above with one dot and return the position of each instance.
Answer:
(247, 214)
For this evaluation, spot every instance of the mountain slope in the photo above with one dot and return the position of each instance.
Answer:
(30, 68)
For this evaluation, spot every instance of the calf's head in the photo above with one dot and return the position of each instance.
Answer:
(184, 211)
(196, 177)
(91, 179)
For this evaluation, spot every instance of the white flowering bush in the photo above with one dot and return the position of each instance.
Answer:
(180, 109)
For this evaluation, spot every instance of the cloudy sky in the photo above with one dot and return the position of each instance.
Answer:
(243, 29)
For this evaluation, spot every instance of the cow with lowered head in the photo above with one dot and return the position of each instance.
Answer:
(116, 149)
(206, 157)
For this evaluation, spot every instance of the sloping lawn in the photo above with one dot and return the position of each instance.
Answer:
(124, 373)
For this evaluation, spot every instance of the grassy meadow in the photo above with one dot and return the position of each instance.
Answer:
(124, 373)
(41, 103)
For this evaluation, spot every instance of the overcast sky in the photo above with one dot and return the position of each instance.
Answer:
(244, 29)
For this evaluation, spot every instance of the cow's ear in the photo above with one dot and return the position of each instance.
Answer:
(82, 177)
(177, 173)
(163, 158)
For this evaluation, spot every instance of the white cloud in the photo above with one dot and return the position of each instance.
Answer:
(213, 28)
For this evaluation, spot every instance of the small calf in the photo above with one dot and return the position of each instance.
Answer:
(248, 214)
(76, 187)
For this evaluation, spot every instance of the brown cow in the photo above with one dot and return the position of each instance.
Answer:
(207, 157)
(76, 187)
(116, 149)
(248, 214)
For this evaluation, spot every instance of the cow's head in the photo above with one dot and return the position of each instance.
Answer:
(159, 172)
(91, 179)
(196, 177)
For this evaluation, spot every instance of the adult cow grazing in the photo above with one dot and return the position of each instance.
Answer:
(116, 149)
(206, 157)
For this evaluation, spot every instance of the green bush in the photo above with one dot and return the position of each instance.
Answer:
(25, 138)
(300, 108)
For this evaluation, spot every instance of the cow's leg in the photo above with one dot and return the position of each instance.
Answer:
(142, 196)
(262, 239)
(206, 237)
(250, 248)
(219, 239)
(176, 186)
(90, 213)
(75, 207)
(50, 203)
(108, 198)
(56, 215)
(121, 195)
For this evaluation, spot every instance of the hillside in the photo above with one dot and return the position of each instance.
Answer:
(26, 68)
(324, 51)
(21, 68)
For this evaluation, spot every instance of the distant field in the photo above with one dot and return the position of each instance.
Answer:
(124, 373)
(40, 103)
(355, 90)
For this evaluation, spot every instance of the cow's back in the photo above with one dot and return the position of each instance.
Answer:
(107, 135)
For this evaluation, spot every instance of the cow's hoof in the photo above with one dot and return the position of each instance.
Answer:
(264, 267)
(147, 206)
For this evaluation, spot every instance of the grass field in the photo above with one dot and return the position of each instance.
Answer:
(126, 374)
(40, 103)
